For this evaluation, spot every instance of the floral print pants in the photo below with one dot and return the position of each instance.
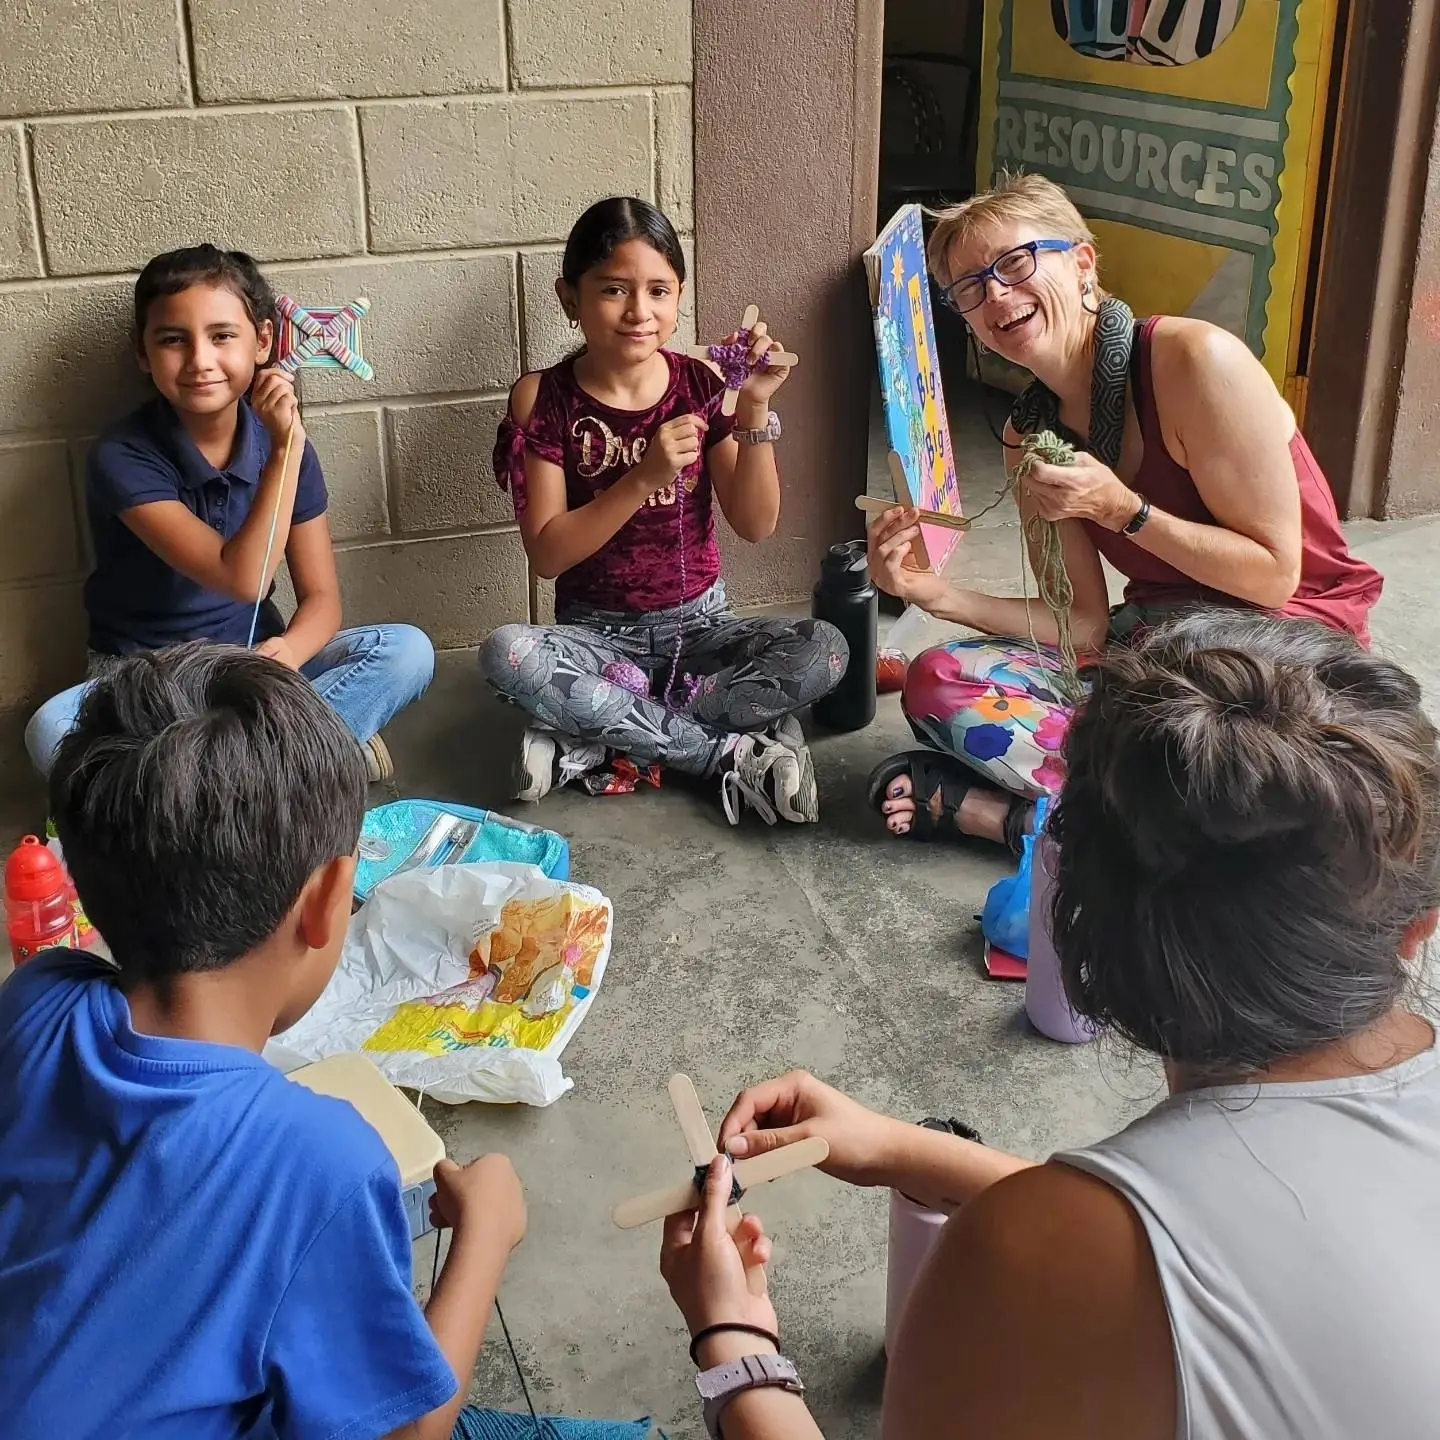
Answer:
(990, 703)
(600, 675)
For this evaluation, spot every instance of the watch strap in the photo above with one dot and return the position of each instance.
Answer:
(1137, 521)
(720, 1385)
(768, 432)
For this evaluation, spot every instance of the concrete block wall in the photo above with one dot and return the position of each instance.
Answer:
(430, 155)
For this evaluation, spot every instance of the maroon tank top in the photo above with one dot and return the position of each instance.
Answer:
(1335, 587)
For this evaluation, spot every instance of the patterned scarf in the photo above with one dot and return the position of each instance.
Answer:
(1038, 408)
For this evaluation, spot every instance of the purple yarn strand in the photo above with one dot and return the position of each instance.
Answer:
(684, 585)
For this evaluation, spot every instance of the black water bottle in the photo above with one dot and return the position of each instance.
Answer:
(845, 597)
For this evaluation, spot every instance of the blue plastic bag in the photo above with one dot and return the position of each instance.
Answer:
(393, 831)
(1005, 920)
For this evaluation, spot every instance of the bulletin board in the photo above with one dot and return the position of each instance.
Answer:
(1198, 175)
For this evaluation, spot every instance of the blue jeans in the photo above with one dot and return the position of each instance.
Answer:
(368, 675)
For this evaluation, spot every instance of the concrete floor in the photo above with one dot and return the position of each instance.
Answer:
(739, 953)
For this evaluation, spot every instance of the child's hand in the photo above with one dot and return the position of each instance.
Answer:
(273, 400)
(673, 449)
(762, 384)
(716, 1278)
(279, 649)
(485, 1193)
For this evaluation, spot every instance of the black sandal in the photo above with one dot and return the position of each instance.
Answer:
(932, 773)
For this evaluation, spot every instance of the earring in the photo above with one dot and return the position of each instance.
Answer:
(1089, 286)
(574, 323)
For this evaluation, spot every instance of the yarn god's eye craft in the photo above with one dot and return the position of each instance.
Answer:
(760, 1170)
(732, 359)
(321, 337)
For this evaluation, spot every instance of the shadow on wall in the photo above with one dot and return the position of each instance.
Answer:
(71, 374)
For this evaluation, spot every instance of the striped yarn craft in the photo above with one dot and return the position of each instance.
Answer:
(321, 337)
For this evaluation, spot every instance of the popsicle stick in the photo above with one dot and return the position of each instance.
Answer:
(875, 506)
(675, 1199)
(776, 357)
(728, 404)
(919, 557)
(751, 315)
(693, 1125)
(800, 1155)
(645, 1209)
(696, 1130)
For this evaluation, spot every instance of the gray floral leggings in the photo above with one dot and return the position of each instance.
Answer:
(596, 676)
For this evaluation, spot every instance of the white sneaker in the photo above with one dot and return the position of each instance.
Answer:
(547, 760)
(769, 778)
(803, 806)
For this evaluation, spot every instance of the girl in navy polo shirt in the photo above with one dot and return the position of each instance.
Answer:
(181, 495)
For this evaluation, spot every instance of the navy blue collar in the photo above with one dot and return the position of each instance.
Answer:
(247, 457)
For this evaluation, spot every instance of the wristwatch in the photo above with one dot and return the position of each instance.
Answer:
(718, 1387)
(1137, 522)
(770, 431)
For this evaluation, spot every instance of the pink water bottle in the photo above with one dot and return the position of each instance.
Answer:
(913, 1233)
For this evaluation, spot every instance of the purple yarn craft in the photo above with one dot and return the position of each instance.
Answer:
(734, 363)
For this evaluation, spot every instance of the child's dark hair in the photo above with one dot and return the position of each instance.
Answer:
(199, 790)
(607, 225)
(1250, 822)
(178, 270)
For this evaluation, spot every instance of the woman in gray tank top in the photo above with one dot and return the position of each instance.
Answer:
(1248, 871)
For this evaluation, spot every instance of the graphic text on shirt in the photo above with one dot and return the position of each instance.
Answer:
(601, 448)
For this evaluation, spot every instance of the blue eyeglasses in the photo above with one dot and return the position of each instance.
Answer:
(1012, 268)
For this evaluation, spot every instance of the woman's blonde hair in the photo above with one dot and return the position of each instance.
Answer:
(1013, 198)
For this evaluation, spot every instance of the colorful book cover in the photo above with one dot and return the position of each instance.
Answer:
(910, 373)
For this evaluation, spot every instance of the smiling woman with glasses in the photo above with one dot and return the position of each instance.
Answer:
(1191, 479)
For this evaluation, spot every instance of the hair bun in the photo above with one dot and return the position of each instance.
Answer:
(1217, 748)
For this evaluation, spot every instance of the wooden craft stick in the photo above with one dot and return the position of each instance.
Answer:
(676, 1199)
(875, 506)
(696, 1130)
(692, 1119)
(751, 315)
(776, 357)
(919, 558)
(800, 1155)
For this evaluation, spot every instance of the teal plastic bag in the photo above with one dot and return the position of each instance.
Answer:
(1005, 920)
(391, 833)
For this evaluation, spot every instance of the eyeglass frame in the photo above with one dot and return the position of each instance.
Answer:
(989, 272)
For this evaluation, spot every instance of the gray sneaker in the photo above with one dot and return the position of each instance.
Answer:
(770, 779)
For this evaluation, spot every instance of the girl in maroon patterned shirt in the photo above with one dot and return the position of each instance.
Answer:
(614, 458)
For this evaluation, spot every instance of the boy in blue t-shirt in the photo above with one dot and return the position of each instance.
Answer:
(192, 511)
(192, 1245)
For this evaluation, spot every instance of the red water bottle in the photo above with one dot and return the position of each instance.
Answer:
(38, 911)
